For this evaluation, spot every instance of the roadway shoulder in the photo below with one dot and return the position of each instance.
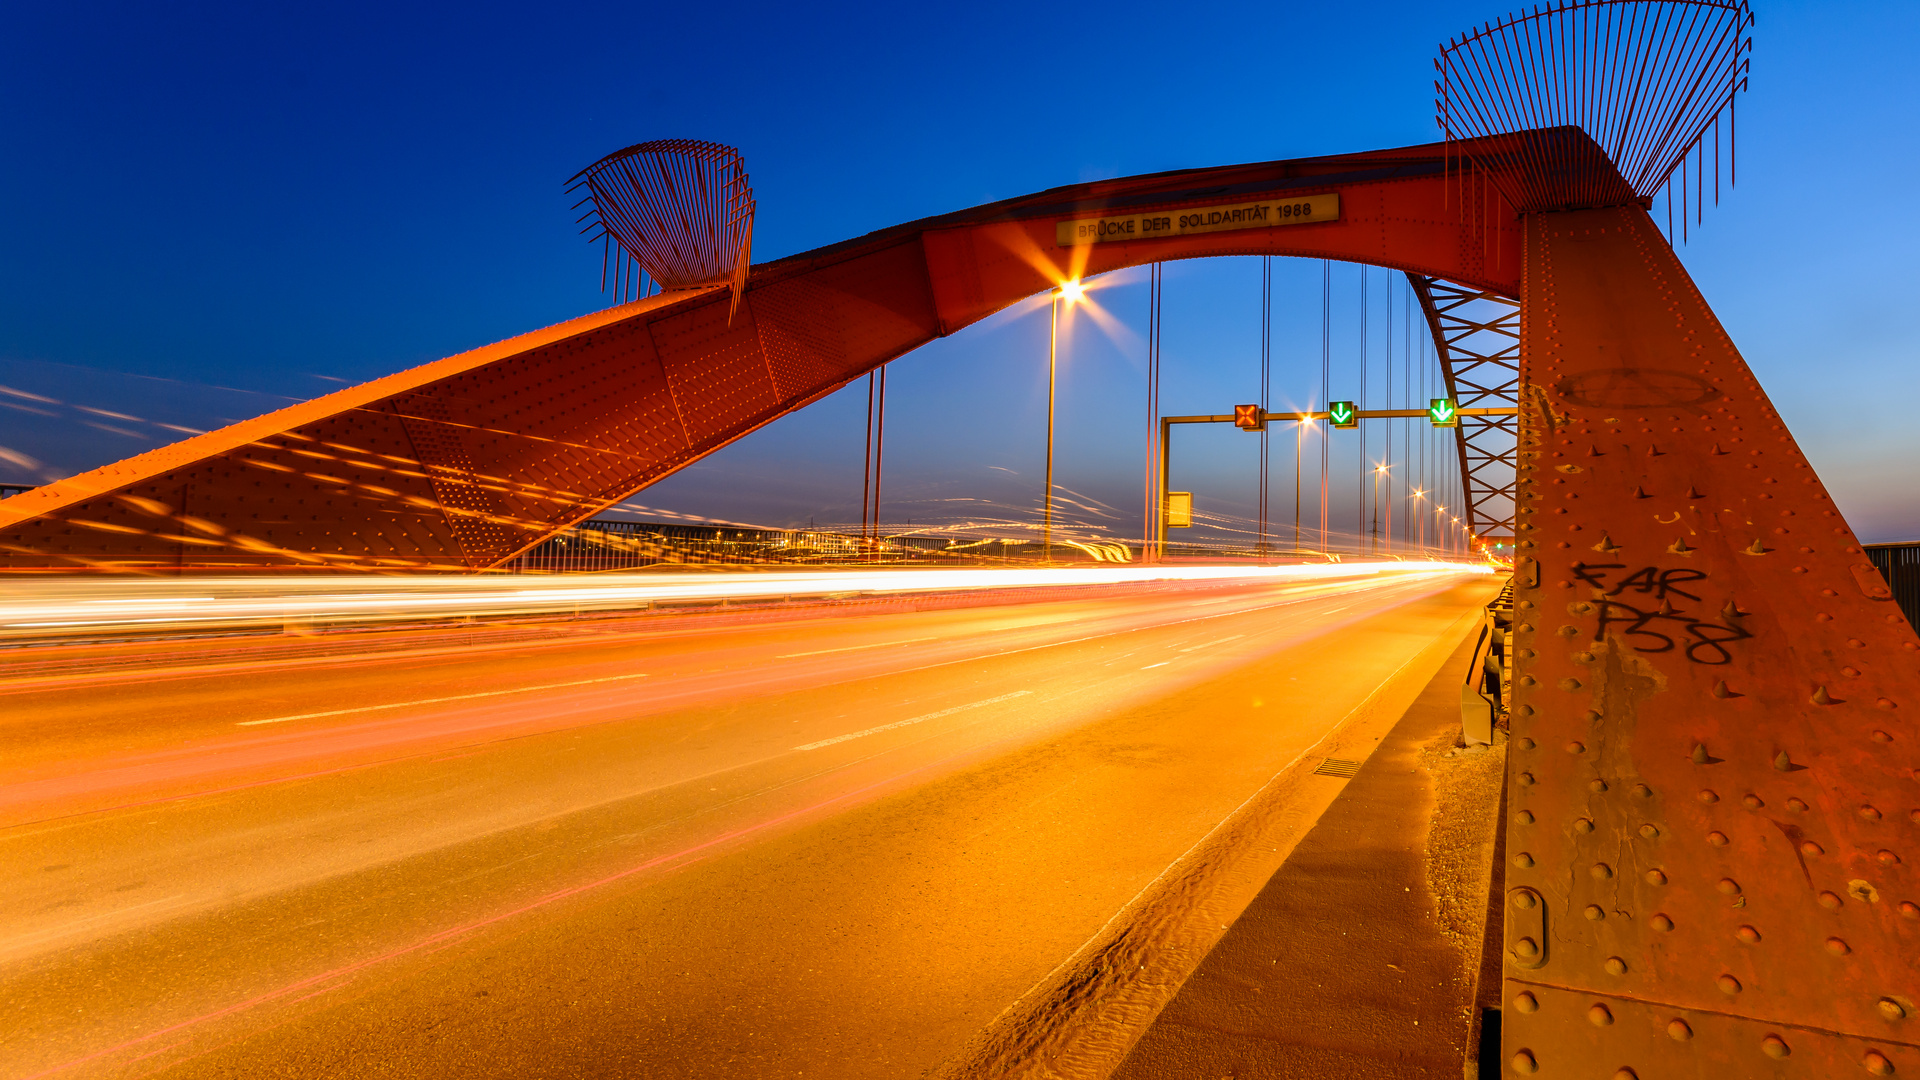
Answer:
(1361, 956)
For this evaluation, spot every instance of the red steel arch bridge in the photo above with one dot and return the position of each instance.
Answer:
(1714, 780)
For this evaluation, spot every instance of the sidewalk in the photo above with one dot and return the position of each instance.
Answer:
(1362, 955)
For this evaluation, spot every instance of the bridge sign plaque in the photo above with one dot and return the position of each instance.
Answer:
(1188, 221)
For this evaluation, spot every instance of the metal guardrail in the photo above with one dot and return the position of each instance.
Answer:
(1489, 682)
(1900, 565)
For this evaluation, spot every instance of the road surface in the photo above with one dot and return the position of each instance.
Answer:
(824, 844)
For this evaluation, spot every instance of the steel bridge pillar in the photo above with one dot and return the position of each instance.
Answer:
(1713, 775)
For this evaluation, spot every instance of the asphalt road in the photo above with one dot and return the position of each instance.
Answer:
(833, 845)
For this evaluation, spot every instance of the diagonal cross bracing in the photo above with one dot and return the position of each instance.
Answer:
(1476, 333)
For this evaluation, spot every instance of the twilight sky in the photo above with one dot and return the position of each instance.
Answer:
(208, 210)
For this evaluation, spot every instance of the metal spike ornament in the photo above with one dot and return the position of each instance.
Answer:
(1646, 81)
(680, 211)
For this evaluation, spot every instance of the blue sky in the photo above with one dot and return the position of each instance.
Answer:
(207, 210)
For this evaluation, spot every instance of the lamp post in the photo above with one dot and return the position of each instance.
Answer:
(1070, 291)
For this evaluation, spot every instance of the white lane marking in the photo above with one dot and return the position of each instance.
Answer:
(1211, 644)
(912, 720)
(850, 648)
(438, 700)
(1162, 663)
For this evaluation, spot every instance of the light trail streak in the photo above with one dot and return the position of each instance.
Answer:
(436, 700)
(38, 608)
(852, 648)
(912, 720)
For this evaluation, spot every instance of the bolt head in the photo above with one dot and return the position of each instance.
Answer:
(1594, 912)
(1615, 966)
(1526, 1003)
(1524, 1064)
(1662, 923)
(1876, 1063)
(1891, 1009)
(1678, 1031)
(1748, 934)
(1775, 1047)
(1599, 1016)
(1728, 984)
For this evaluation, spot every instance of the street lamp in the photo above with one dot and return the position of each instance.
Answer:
(1071, 292)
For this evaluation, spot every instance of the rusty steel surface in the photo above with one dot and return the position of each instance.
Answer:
(1714, 796)
(460, 464)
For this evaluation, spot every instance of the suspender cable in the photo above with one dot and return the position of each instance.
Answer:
(1326, 380)
(1266, 387)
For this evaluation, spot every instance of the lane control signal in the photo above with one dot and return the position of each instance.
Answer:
(1249, 418)
(1443, 413)
(1343, 414)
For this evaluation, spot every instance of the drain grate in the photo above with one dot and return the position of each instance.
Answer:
(1334, 766)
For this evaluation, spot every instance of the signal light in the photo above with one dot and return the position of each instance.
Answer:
(1249, 418)
(1343, 414)
(1442, 413)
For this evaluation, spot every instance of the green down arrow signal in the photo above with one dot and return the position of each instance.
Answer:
(1443, 413)
(1342, 414)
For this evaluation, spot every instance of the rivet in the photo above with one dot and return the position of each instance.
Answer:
(1797, 806)
(1678, 1031)
(1524, 817)
(1821, 697)
(1527, 744)
(1615, 966)
(1892, 1009)
(1748, 934)
(1599, 1015)
(1752, 802)
(1914, 816)
(1576, 748)
(1728, 886)
(1728, 984)
(1870, 813)
(1876, 1063)
(1720, 689)
(1887, 858)
(1524, 900)
(1601, 871)
(1597, 786)
(1624, 1073)
(1775, 1047)
(1526, 779)
(1583, 825)
(1642, 791)
(1526, 948)
(1662, 923)
(1808, 847)
(1830, 900)
(1656, 877)
(1717, 838)
(1569, 684)
(1885, 703)
(1523, 860)
(1524, 1064)
(1707, 796)
(1881, 736)
(1699, 754)
(1650, 831)
(1526, 1003)
(1838, 947)
(1594, 913)
(1782, 762)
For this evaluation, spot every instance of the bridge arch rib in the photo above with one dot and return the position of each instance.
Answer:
(462, 463)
